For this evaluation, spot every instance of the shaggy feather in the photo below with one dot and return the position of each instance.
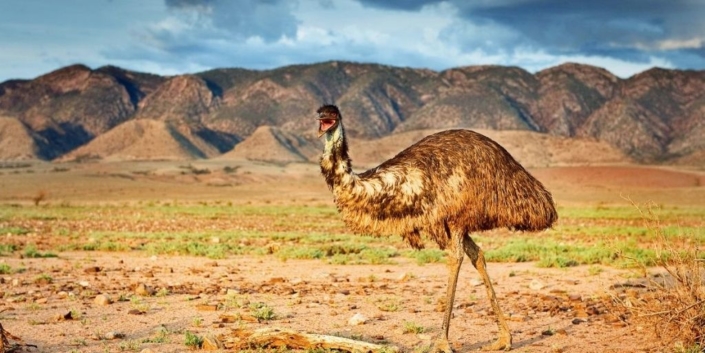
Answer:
(456, 178)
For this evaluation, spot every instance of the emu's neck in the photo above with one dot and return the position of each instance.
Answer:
(335, 162)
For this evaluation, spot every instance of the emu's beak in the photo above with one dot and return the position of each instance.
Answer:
(325, 124)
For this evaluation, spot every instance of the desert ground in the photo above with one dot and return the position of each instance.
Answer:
(166, 256)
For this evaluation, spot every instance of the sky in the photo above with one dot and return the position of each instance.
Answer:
(170, 37)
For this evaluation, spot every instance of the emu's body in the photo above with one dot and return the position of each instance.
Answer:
(444, 187)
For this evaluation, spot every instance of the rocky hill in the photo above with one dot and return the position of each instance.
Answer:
(657, 116)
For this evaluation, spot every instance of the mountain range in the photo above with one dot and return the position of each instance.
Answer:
(109, 113)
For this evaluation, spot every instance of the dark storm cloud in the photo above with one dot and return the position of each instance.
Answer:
(187, 3)
(266, 19)
(625, 29)
(408, 5)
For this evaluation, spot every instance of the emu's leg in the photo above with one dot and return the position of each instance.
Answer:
(455, 260)
(504, 342)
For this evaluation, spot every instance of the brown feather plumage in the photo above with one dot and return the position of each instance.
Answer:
(455, 176)
(444, 187)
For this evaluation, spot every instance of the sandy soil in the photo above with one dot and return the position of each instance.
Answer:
(549, 309)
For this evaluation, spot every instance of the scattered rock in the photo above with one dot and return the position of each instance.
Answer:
(405, 277)
(84, 284)
(577, 321)
(102, 300)
(207, 307)
(92, 269)
(357, 319)
(112, 335)
(147, 350)
(62, 295)
(536, 285)
(63, 317)
(38, 301)
(135, 312)
(476, 282)
(211, 343)
(143, 290)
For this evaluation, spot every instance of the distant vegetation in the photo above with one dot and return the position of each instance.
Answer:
(610, 236)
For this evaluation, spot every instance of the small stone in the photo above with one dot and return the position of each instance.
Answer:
(102, 300)
(112, 335)
(41, 300)
(577, 321)
(536, 285)
(575, 297)
(476, 282)
(92, 269)
(135, 312)
(143, 290)
(357, 319)
(62, 295)
(211, 343)
(84, 284)
(405, 277)
(15, 282)
(63, 317)
(207, 307)
(147, 350)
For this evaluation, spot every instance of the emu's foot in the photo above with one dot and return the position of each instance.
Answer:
(441, 346)
(503, 343)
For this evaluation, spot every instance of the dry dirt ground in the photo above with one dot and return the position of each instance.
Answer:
(550, 310)
(562, 311)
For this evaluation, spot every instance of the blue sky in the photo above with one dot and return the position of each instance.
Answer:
(181, 36)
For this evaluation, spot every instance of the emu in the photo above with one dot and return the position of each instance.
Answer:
(444, 187)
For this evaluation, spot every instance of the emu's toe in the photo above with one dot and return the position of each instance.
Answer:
(503, 343)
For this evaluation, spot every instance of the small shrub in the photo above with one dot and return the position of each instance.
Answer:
(674, 305)
(39, 197)
(192, 340)
(412, 327)
(5, 269)
(262, 311)
(43, 279)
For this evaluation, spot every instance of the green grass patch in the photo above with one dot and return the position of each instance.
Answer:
(425, 256)
(31, 251)
(598, 235)
(7, 249)
(5, 269)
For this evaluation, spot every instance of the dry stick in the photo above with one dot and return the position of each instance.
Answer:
(285, 338)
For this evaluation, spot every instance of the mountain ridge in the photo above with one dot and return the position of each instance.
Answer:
(657, 116)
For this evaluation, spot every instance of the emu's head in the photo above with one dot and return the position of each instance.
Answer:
(328, 119)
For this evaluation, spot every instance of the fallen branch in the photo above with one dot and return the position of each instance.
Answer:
(6, 347)
(290, 339)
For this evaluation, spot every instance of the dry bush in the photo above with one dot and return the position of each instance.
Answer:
(39, 197)
(673, 304)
